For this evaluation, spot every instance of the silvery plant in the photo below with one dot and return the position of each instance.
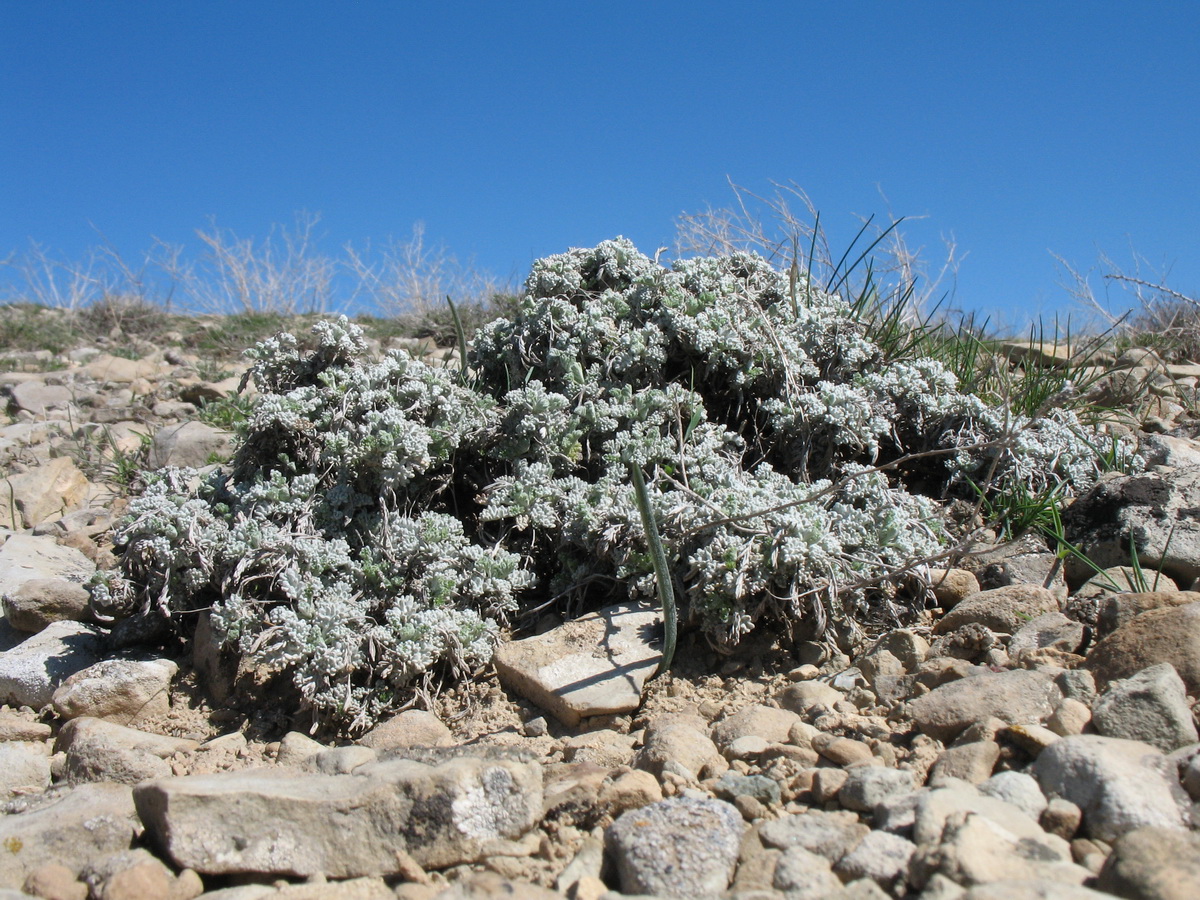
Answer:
(383, 520)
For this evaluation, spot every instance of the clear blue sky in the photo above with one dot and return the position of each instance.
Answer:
(515, 130)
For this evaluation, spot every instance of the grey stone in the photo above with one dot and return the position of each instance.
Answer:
(410, 728)
(40, 601)
(25, 557)
(828, 834)
(1018, 789)
(40, 398)
(1117, 610)
(1151, 706)
(804, 875)
(806, 695)
(676, 847)
(1153, 864)
(1015, 696)
(591, 666)
(77, 827)
(124, 691)
(43, 492)
(940, 804)
(868, 786)
(191, 444)
(98, 750)
(972, 762)
(681, 741)
(767, 722)
(1153, 508)
(1167, 634)
(732, 785)
(976, 849)
(30, 671)
(295, 748)
(880, 856)
(23, 770)
(1031, 889)
(1051, 629)
(343, 826)
(1120, 785)
(1002, 609)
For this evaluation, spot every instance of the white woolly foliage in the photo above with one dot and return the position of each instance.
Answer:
(382, 519)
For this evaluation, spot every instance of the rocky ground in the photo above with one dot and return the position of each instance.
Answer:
(1034, 736)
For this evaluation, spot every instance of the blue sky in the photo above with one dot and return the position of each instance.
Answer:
(516, 130)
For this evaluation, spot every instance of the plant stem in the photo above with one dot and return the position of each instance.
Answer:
(662, 572)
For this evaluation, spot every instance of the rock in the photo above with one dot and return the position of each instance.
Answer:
(632, 790)
(1002, 609)
(1069, 717)
(840, 750)
(733, 785)
(1084, 604)
(1120, 785)
(829, 835)
(972, 762)
(680, 741)
(1051, 629)
(97, 750)
(676, 847)
(42, 493)
(766, 722)
(880, 856)
(1151, 706)
(1169, 634)
(338, 760)
(1165, 450)
(1061, 817)
(868, 786)
(191, 444)
(22, 770)
(591, 666)
(1153, 864)
(123, 691)
(39, 398)
(26, 557)
(138, 882)
(1153, 508)
(1018, 789)
(952, 586)
(604, 748)
(15, 727)
(31, 671)
(410, 728)
(806, 695)
(295, 748)
(1015, 696)
(119, 370)
(975, 849)
(1117, 610)
(343, 826)
(936, 806)
(484, 886)
(76, 828)
(40, 601)
(801, 873)
(55, 881)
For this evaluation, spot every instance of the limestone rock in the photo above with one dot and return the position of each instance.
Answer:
(31, 671)
(78, 827)
(123, 691)
(1002, 609)
(676, 848)
(1151, 706)
(679, 742)
(1014, 696)
(1168, 634)
(1153, 864)
(410, 728)
(802, 873)
(766, 722)
(190, 444)
(1154, 508)
(39, 398)
(45, 491)
(27, 557)
(343, 826)
(1120, 785)
(97, 750)
(40, 601)
(22, 770)
(591, 666)
(828, 834)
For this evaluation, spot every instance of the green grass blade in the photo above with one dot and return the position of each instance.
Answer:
(662, 571)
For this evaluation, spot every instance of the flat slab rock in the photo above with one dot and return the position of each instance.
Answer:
(343, 826)
(591, 666)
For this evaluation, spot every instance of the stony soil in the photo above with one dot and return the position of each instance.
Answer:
(1028, 737)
